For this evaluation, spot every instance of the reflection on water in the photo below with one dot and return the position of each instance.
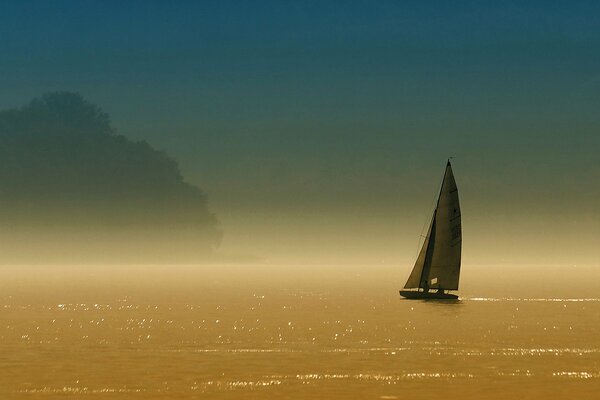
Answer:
(225, 332)
(515, 299)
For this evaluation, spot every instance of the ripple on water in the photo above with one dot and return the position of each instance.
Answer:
(495, 299)
(80, 390)
(577, 374)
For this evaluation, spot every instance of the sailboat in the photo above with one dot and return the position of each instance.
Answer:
(437, 268)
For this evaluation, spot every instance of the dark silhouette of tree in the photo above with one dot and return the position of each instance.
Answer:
(63, 165)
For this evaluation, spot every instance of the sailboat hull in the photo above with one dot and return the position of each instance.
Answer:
(415, 295)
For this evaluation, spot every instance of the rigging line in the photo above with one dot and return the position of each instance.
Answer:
(427, 218)
(423, 233)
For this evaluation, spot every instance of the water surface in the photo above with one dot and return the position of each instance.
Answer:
(271, 331)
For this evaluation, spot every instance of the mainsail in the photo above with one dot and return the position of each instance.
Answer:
(438, 263)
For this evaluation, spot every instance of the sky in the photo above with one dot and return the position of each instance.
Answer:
(320, 130)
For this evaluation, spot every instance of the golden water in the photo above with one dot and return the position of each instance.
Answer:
(181, 332)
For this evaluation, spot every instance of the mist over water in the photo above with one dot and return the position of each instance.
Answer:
(295, 331)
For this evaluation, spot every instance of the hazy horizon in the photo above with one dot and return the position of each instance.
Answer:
(370, 226)
(319, 132)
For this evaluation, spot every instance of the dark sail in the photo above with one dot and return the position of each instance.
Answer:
(438, 263)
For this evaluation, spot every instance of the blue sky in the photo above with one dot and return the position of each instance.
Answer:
(327, 106)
